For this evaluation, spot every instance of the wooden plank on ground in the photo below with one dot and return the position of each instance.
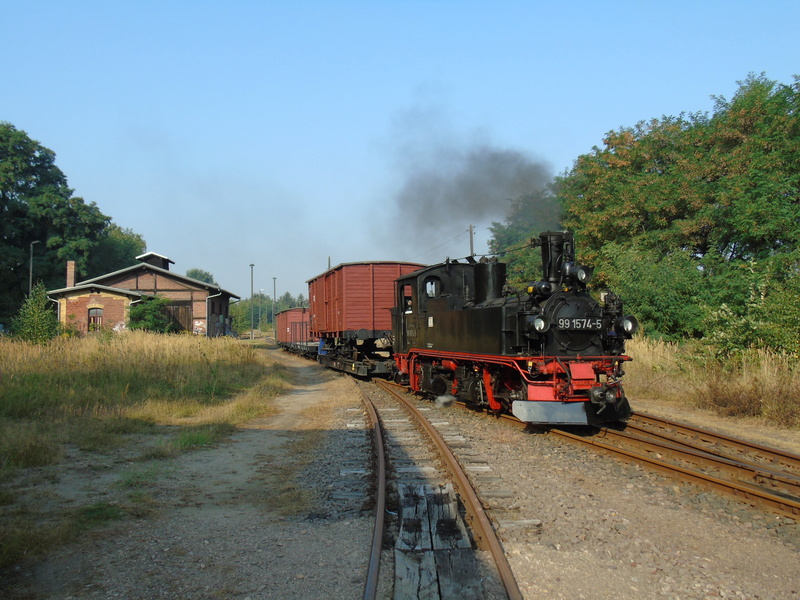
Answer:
(415, 576)
(447, 526)
(457, 574)
(434, 559)
(415, 529)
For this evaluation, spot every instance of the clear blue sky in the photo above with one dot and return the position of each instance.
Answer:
(287, 134)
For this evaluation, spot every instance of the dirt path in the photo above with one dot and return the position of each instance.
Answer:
(217, 529)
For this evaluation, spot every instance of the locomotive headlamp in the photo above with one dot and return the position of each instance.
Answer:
(580, 273)
(584, 274)
(602, 394)
(627, 325)
(541, 323)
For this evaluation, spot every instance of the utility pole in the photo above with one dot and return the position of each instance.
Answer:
(471, 241)
(274, 325)
(30, 269)
(258, 320)
(251, 300)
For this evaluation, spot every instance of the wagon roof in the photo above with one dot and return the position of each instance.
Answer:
(366, 262)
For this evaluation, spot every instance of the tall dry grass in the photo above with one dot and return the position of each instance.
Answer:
(755, 383)
(90, 391)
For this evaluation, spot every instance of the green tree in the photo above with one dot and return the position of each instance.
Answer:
(666, 293)
(719, 194)
(201, 275)
(262, 310)
(529, 215)
(116, 249)
(36, 321)
(37, 207)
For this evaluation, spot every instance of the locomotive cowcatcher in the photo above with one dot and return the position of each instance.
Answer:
(550, 354)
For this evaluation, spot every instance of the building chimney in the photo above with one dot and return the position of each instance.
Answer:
(70, 273)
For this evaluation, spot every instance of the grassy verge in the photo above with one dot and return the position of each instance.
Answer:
(149, 397)
(756, 383)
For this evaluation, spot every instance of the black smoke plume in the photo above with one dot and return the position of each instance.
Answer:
(447, 181)
(462, 187)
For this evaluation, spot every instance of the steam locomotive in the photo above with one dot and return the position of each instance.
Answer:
(548, 354)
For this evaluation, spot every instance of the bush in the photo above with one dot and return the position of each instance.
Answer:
(36, 321)
(152, 315)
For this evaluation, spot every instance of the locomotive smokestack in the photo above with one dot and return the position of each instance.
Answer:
(557, 249)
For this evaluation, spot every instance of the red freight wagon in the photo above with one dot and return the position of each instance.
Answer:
(351, 315)
(292, 326)
(354, 299)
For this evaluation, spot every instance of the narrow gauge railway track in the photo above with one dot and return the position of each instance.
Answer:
(423, 498)
(766, 478)
(715, 443)
(763, 477)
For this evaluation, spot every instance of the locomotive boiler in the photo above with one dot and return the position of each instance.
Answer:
(549, 354)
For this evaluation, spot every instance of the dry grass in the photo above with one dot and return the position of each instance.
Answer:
(92, 392)
(757, 383)
(165, 394)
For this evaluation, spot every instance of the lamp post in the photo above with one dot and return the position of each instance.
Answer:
(251, 300)
(30, 269)
(274, 299)
(260, 296)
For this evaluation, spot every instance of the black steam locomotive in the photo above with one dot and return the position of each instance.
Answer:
(549, 354)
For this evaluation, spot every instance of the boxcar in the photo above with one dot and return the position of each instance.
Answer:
(292, 331)
(350, 307)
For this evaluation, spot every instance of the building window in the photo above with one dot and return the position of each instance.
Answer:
(95, 319)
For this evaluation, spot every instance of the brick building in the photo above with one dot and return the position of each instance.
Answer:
(104, 302)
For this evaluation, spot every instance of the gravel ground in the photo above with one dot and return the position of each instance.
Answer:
(280, 511)
(604, 529)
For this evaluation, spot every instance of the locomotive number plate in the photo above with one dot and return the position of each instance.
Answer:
(581, 324)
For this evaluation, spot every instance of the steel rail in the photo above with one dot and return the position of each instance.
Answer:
(786, 460)
(735, 469)
(775, 502)
(482, 529)
(373, 569)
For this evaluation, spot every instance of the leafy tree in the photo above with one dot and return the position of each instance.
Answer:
(528, 217)
(285, 301)
(717, 194)
(201, 275)
(36, 321)
(262, 310)
(36, 205)
(151, 314)
(770, 315)
(666, 293)
(116, 249)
